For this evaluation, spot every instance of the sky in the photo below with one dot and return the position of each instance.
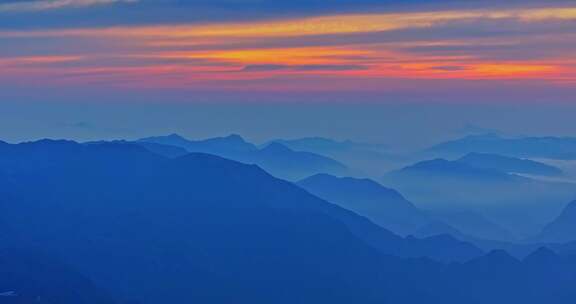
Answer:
(257, 58)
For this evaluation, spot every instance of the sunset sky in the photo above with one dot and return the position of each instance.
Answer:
(277, 51)
(316, 47)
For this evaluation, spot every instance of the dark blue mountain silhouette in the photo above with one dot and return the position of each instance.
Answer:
(161, 230)
(33, 277)
(203, 229)
(517, 249)
(165, 150)
(385, 207)
(565, 249)
(160, 149)
(509, 164)
(536, 147)
(562, 229)
(541, 277)
(224, 146)
(438, 228)
(275, 158)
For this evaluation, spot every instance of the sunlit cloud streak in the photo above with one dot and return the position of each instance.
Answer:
(339, 24)
(43, 5)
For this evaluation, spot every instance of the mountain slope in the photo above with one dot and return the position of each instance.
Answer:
(223, 146)
(275, 158)
(530, 147)
(202, 229)
(293, 164)
(181, 230)
(452, 169)
(519, 204)
(368, 159)
(562, 229)
(385, 207)
(327, 146)
(31, 277)
(509, 164)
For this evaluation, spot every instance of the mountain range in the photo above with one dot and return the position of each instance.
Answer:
(326, 146)
(138, 227)
(30, 276)
(159, 229)
(385, 207)
(276, 158)
(527, 147)
(365, 159)
(509, 164)
(454, 186)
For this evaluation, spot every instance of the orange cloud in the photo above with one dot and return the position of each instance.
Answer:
(285, 56)
(502, 70)
(214, 54)
(337, 24)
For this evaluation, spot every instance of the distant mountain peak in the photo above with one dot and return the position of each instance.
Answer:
(431, 163)
(175, 136)
(276, 158)
(443, 167)
(50, 142)
(170, 138)
(571, 209)
(232, 141)
(489, 135)
(542, 255)
(569, 212)
(497, 257)
(310, 139)
(563, 229)
(363, 185)
(436, 227)
(327, 146)
(509, 164)
(531, 147)
(385, 206)
(277, 147)
(235, 138)
(500, 254)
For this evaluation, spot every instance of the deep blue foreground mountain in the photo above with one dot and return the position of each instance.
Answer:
(28, 277)
(202, 229)
(166, 150)
(518, 250)
(163, 230)
(276, 158)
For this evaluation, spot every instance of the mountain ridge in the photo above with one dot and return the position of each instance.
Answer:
(275, 158)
